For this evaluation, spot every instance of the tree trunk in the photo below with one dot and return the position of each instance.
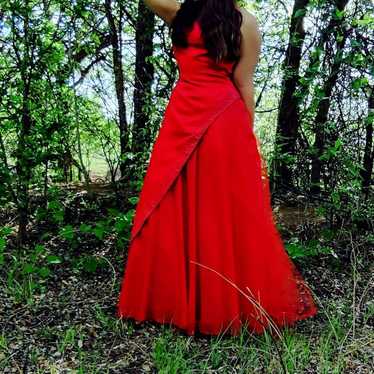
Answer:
(144, 75)
(24, 154)
(120, 88)
(367, 170)
(288, 117)
(324, 104)
(23, 168)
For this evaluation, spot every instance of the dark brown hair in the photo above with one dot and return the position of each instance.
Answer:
(220, 22)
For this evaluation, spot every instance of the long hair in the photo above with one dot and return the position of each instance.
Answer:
(220, 22)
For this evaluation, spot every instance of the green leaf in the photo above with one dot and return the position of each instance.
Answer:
(300, 13)
(85, 228)
(121, 224)
(28, 269)
(359, 83)
(100, 230)
(366, 20)
(2, 244)
(5, 231)
(51, 259)
(39, 249)
(113, 212)
(67, 232)
(90, 264)
(133, 200)
(339, 14)
(44, 272)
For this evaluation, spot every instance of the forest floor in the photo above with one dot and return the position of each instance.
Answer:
(58, 297)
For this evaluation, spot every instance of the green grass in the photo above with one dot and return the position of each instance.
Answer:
(72, 327)
(327, 350)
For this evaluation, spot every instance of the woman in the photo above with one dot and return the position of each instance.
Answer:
(204, 254)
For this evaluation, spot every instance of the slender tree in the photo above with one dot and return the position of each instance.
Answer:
(144, 75)
(324, 101)
(119, 83)
(288, 116)
(367, 167)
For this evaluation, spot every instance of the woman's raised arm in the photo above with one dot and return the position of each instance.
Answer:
(166, 9)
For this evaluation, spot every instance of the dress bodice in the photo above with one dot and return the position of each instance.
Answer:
(203, 92)
(195, 65)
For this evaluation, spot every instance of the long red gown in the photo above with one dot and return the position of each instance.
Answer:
(203, 234)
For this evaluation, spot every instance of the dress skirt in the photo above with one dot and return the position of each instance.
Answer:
(208, 257)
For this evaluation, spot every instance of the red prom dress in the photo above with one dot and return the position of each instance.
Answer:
(204, 254)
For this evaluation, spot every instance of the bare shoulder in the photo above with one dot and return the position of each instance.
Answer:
(251, 40)
(250, 23)
(248, 17)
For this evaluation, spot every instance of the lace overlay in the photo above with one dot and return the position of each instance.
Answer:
(306, 305)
